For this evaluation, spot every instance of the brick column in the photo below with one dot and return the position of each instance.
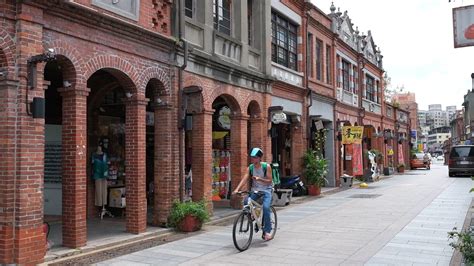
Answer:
(257, 134)
(135, 163)
(238, 152)
(298, 147)
(74, 141)
(202, 156)
(166, 179)
(8, 109)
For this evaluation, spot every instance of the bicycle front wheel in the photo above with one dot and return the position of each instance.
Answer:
(274, 221)
(243, 231)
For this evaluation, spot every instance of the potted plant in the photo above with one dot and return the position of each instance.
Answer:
(401, 167)
(316, 169)
(188, 216)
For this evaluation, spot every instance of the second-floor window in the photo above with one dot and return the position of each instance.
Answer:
(222, 18)
(345, 75)
(370, 89)
(319, 59)
(189, 8)
(250, 21)
(284, 42)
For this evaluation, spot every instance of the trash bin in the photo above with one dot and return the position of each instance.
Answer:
(346, 181)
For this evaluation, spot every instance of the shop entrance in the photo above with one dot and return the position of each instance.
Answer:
(59, 75)
(281, 147)
(106, 147)
(53, 151)
(221, 147)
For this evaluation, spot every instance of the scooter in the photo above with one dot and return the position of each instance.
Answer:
(294, 183)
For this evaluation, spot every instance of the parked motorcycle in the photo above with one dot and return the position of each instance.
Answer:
(294, 183)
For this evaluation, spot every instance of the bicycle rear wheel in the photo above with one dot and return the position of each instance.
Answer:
(242, 232)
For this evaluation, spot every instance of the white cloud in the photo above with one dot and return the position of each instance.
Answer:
(416, 39)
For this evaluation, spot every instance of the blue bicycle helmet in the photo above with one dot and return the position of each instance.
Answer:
(256, 152)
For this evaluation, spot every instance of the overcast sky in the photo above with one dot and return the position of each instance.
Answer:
(416, 40)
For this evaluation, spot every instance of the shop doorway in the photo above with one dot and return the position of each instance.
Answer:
(59, 75)
(53, 151)
(322, 141)
(281, 147)
(106, 146)
(157, 103)
(221, 153)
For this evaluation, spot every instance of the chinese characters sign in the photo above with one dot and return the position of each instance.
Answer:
(352, 134)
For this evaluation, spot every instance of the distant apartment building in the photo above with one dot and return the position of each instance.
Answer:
(436, 139)
(436, 117)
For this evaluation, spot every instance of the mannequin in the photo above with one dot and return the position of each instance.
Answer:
(99, 174)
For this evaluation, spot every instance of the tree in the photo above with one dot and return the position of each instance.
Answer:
(389, 91)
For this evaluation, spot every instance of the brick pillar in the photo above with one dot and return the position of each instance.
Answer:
(238, 152)
(74, 141)
(135, 163)
(166, 179)
(29, 239)
(257, 134)
(7, 168)
(298, 148)
(202, 156)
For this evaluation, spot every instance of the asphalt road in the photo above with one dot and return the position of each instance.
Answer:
(402, 220)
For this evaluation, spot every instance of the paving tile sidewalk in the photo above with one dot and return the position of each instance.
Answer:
(406, 222)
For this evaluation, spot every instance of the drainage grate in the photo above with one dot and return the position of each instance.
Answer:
(365, 196)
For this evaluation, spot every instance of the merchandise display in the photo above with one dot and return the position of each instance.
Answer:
(220, 174)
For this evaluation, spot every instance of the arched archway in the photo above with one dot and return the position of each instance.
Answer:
(65, 140)
(160, 174)
(116, 142)
(224, 131)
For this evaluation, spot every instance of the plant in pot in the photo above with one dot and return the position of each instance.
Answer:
(316, 168)
(401, 167)
(188, 216)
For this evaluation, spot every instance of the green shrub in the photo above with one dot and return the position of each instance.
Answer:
(316, 168)
(463, 241)
(179, 210)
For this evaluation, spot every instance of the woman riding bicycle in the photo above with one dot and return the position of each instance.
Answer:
(261, 182)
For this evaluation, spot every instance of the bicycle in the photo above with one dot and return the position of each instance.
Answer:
(250, 219)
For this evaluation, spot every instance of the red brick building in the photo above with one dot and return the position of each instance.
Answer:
(359, 91)
(160, 92)
(98, 68)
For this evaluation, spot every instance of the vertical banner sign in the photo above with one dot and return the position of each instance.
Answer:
(401, 159)
(357, 159)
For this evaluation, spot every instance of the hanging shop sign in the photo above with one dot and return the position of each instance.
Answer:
(278, 117)
(352, 134)
(224, 117)
(389, 151)
(319, 125)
